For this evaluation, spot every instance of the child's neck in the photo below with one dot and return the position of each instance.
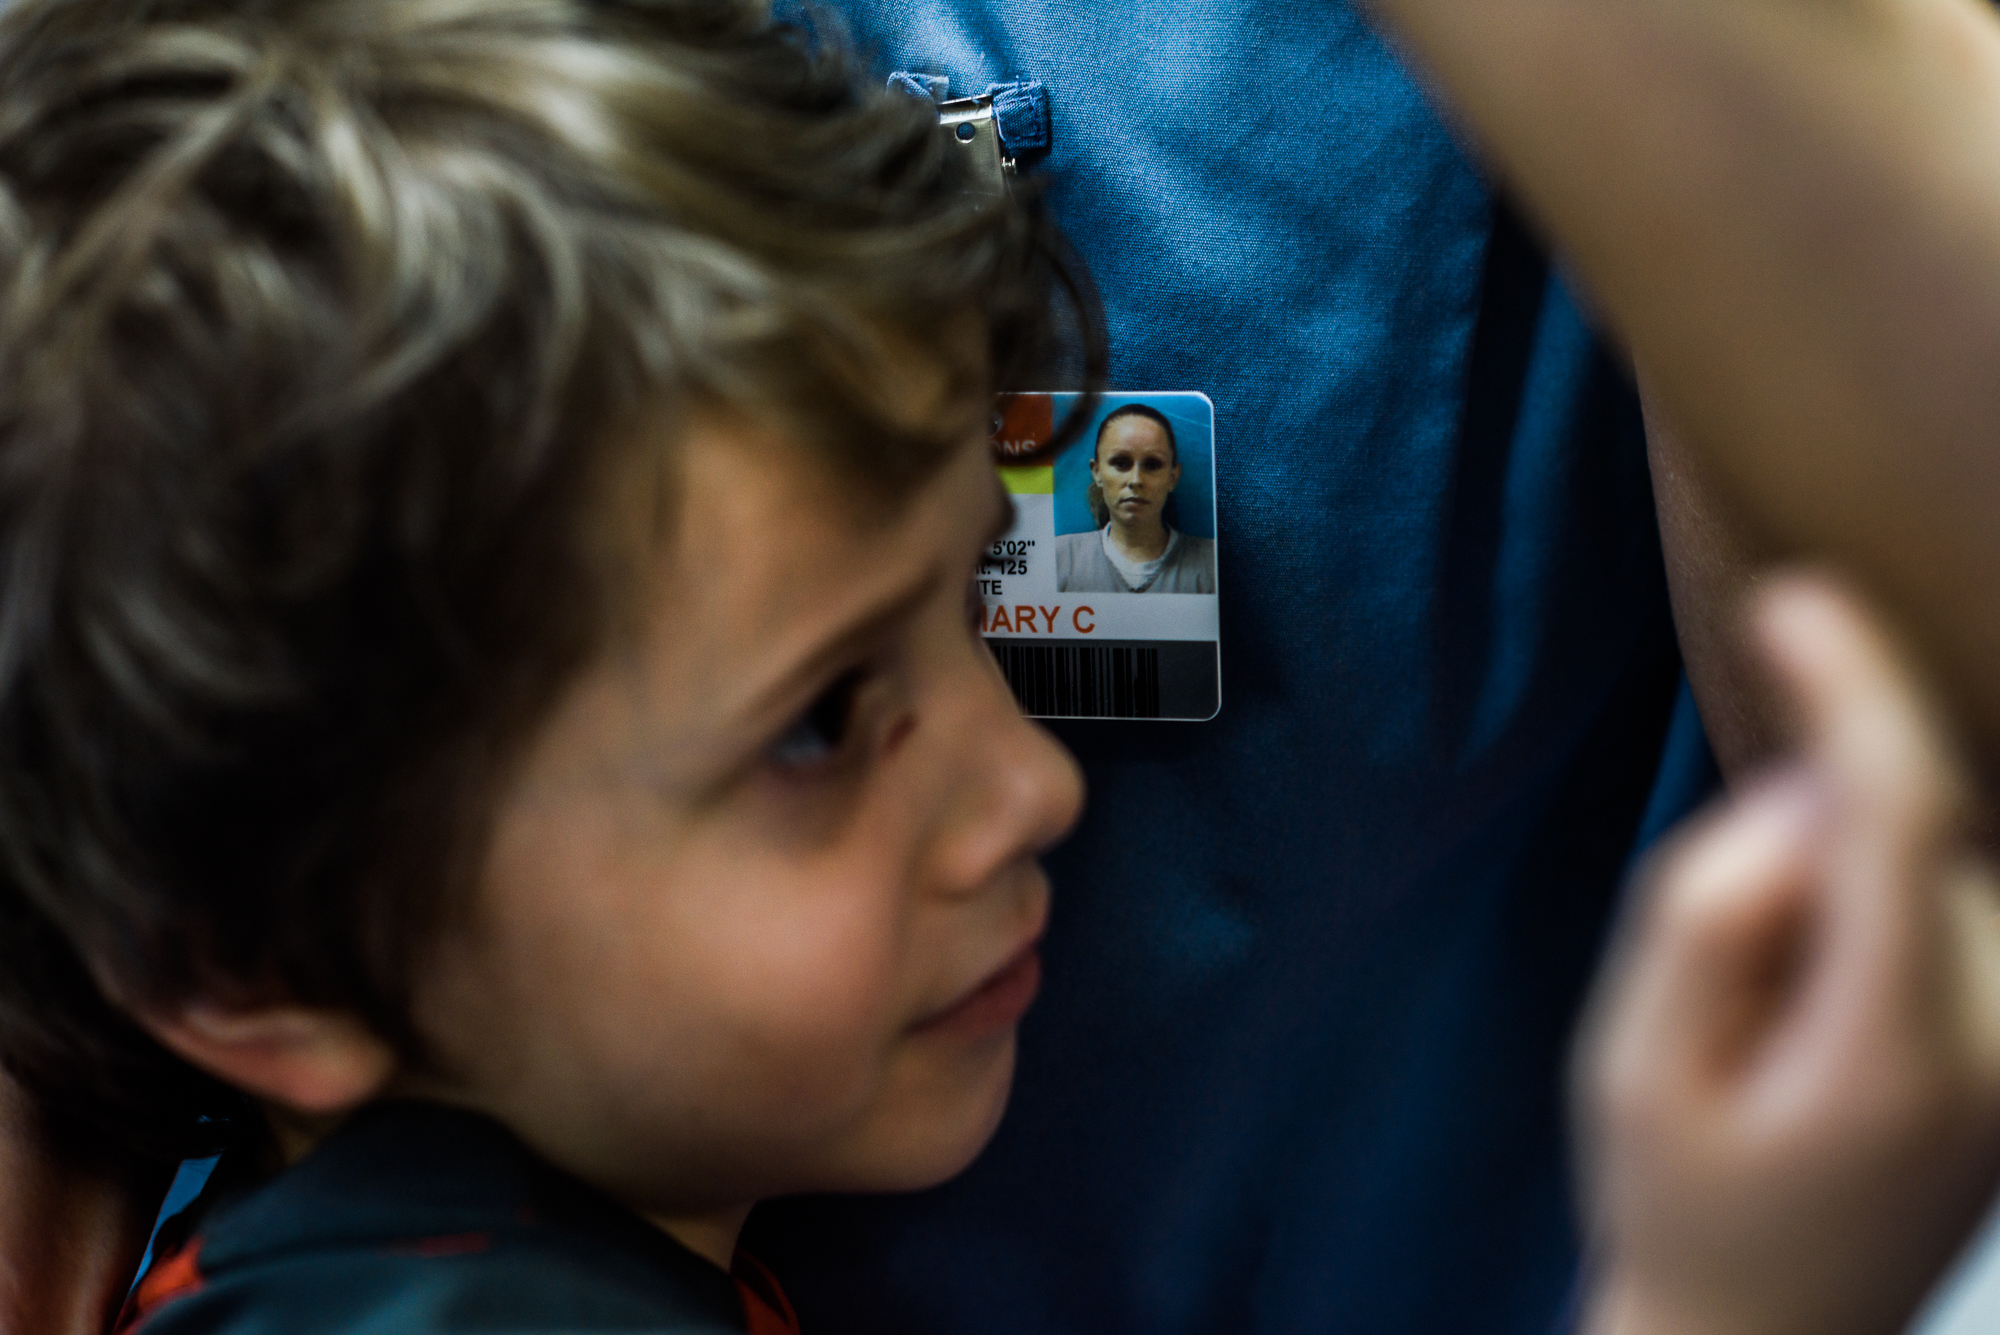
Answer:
(296, 1133)
(712, 1236)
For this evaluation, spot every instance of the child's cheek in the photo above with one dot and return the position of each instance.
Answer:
(816, 992)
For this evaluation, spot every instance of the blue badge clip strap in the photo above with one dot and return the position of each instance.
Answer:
(1021, 113)
(929, 87)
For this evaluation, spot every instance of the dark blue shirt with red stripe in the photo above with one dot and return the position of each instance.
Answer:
(414, 1218)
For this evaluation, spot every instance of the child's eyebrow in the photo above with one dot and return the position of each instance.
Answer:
(781, 692)
(868, 621)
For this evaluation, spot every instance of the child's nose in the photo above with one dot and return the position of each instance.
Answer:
(1024, 791)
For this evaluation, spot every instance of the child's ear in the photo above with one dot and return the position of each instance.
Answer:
(310, 1060)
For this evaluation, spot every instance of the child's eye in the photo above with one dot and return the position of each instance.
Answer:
(819, 732)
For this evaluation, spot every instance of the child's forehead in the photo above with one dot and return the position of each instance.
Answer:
(930, 388)
(762, 537)
(757, 509)
(774, 576)
(934, 395)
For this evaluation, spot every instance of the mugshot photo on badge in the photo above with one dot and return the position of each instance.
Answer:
(1137, 543)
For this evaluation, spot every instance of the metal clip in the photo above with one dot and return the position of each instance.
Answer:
(971, 124)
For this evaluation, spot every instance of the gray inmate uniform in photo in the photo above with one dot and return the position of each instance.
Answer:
(1083, 566)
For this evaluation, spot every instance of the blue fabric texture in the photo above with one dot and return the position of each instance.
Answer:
(929, 87)
(1297, 1063)
(1021, 114)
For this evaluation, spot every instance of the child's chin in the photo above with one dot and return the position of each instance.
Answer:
(946, 1143)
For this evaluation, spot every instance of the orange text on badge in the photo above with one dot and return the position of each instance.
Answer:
(1029, 619)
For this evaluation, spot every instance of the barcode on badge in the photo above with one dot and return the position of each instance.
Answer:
(1081, 681)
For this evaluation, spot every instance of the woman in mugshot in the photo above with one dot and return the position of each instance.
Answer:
(1133, 470)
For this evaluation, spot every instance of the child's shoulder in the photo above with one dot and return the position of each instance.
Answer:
(416, 1218)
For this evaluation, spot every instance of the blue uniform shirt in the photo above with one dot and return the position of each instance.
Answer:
(1297, 1063)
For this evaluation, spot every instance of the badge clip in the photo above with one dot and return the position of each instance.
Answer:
(973, 126)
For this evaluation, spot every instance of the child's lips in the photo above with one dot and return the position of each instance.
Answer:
(997, 1004)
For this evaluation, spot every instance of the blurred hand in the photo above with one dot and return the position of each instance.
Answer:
(1789, 1085)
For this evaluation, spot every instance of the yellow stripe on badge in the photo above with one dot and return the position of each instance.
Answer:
(1037, 481)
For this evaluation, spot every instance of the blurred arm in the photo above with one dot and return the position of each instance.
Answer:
(1791, 210)
(1713, 561)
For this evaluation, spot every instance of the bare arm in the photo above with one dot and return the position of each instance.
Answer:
(71, 1232)
(1713, 563)
(1791, 210)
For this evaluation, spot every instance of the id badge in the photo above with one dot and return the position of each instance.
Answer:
(1100, 602)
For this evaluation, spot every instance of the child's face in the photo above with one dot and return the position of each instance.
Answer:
(761, 904)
